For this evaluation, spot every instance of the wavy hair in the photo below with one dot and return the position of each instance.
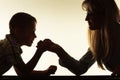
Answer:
(100, 40)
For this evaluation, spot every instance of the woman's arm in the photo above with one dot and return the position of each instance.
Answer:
(77, 67)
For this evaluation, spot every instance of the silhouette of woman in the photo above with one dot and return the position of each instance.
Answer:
(104, 40)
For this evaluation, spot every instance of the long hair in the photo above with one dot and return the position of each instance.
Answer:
(100, 40)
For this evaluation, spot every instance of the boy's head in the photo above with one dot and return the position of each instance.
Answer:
(22, 28)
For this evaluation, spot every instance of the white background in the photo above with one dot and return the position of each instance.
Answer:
(62, 21)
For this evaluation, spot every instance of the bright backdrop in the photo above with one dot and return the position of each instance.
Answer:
(62, 21)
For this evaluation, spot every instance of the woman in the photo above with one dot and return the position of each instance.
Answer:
(104, 39)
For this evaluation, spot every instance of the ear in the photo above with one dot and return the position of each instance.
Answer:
(18, 31)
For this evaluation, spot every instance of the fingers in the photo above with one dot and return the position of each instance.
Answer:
(48, 45)
(39, 43)
(43, 43)
(47, 40)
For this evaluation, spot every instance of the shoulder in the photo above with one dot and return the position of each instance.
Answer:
(8, 52)
(4, 44)
(5, 47)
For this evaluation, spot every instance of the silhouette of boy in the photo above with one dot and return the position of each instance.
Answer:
(22, 32)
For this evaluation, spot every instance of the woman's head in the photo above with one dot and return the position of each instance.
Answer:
(100, 15)
(100, 12)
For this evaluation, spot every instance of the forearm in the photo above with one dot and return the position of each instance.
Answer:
(77, 67)
(73, 65)
(27, 69)
(32, 73)
(69, 62)
(40, 73)
(32, 63)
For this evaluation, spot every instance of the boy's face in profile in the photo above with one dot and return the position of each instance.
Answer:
(26, 36)
(29, 36)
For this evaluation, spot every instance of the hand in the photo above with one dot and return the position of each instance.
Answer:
(42, 45)
(51, 46)
(47, 44)
(51, 70)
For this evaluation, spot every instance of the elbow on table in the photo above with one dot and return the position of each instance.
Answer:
(80, 72)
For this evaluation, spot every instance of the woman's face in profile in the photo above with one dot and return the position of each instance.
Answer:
(95, 19)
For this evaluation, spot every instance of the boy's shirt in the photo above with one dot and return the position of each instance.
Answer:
(10, 54)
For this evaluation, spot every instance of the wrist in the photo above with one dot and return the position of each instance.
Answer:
(61, 53)
(41, 50)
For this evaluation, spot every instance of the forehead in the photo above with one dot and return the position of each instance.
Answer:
(93, 4)
(30, 28)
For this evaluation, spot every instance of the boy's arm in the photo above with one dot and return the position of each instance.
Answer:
(22, 68)
(34, 60)
(21, 71)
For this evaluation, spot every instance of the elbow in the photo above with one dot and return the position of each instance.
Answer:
(21, 73)
(80, 72)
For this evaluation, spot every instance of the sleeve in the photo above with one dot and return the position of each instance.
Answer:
(78, 67)
(13, 57)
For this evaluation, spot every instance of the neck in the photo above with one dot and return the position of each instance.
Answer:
(16, 40)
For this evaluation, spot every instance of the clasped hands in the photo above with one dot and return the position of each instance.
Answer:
(48, 45)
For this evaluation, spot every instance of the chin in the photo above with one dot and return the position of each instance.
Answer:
(94, 28)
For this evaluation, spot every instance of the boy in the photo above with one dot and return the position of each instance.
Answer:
(22, 32)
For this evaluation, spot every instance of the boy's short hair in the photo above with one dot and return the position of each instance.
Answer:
(21, 20)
